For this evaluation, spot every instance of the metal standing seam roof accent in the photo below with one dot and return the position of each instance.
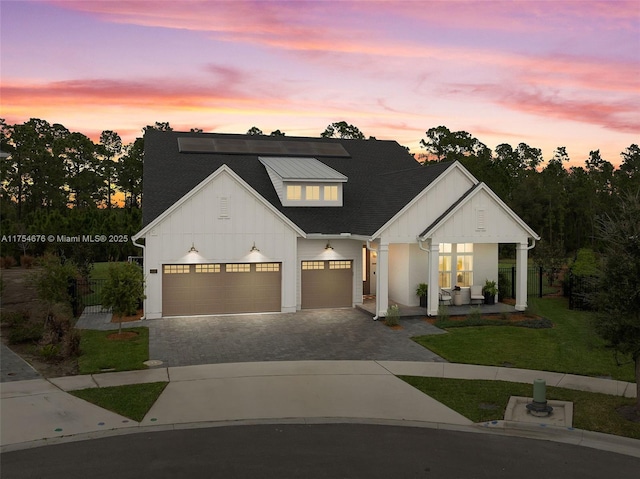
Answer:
(302, 169)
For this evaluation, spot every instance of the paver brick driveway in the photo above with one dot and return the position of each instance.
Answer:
(340, 334)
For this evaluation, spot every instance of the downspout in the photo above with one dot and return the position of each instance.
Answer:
(429, 255)
(144, 260)
(375, 318)
(533, 244)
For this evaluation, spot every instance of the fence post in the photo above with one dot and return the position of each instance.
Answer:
(570, 291)
(540, 282)
(513, 281)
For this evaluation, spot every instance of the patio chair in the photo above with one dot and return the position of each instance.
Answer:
(476, 294)
(445, 296)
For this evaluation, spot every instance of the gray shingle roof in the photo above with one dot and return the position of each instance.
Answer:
(382, 179)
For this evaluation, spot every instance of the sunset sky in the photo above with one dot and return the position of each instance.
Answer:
(547, 73)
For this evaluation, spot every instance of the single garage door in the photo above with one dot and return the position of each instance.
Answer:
(327, 284)
(220, 288)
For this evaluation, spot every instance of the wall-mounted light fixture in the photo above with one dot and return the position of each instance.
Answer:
(328, 245)
(192, 249)
(253, 248)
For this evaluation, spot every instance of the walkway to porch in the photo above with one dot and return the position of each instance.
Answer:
(369, 305)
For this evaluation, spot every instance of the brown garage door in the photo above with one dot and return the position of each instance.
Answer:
(327, 284)
(220, 288)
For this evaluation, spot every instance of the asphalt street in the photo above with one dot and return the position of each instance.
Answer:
(316, 451)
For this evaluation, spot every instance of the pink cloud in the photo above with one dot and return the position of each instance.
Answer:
(621, 115)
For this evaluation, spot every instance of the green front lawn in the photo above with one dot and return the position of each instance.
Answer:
(571, 346)
(99, 354)
(132, 401)
(482, 401)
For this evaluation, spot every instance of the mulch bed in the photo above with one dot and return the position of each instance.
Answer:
(122, 335)
(127, 319)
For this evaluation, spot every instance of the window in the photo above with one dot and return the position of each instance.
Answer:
(267, 267)
(444, 265)
(238, 268)
(312, 193)
(312, 265)
(294, 192)
(339, 264)
(464, 264)
(331, 193)
(207, 268)
(176, 268)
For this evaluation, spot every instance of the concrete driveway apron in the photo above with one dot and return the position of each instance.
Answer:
(337, 334)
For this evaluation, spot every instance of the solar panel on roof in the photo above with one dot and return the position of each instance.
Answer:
(260, 147)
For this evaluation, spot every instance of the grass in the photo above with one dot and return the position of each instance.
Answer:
(99, 353)
(481, 401)
(571, 346)
(132, 401)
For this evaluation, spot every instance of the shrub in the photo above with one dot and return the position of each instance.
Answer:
(443, 312)
(535, 323)
(49, 352)
(22, 328)
(52, 281)
(585, 263)
(393, 315)
(7, 262)
(59, 339)
(26, 261)
(475, 315)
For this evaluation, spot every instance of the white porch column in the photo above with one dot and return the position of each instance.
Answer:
(521, 276)
(433, 298)
(382, 280)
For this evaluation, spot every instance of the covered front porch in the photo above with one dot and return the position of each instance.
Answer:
(369, 306)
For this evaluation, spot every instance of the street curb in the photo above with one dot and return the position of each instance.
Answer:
(567, 435)
(577, 437)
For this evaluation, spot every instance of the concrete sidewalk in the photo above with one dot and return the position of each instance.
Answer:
(39, 412)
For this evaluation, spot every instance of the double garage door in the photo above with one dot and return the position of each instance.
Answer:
(199, 289)
(192, 289)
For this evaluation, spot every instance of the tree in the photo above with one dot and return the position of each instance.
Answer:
(123, 290)
(277, 133)
(110, 146)
(342, 129)
(627, 178)
(444, 144)
(129, 173)
(618, 298)
(254, 130)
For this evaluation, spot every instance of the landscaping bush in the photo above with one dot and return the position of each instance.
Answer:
(26, 261)
(474, 315)
(443, 313)
(53, 279)
(393, 315)
(59, 339)
(7, 262)
(22, 328)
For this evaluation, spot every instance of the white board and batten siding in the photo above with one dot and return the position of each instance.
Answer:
(480, 220)
(223, 220)
(428, 207)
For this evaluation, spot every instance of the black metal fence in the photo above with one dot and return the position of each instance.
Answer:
(84, 294)
(507, 281)
(580, 290)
